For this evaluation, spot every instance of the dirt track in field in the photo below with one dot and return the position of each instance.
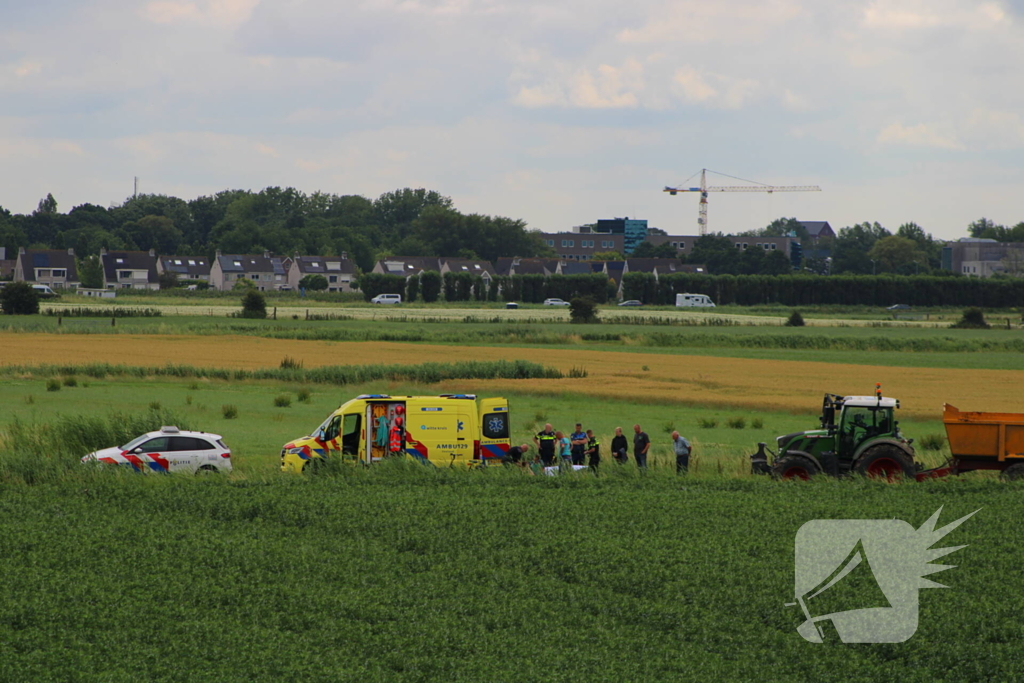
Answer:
(696, 380)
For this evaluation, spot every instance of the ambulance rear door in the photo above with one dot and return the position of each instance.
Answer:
(495, 429)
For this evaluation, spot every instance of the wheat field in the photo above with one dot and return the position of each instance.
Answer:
(642, 377)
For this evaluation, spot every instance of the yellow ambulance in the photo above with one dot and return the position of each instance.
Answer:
(450, 429)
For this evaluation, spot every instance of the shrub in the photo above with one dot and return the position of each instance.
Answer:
(303, 395)
(254, 305)
(282, 401)
(577, 372)
(669, 427)
(30, 399)
(188, 400)
(795, 320)
(757, 423)
(154, 405)
(193, 386)
(932, 442)
(70, 381)
(243, 284)
(289, 363)
(53, 384)
(707, 422)
(18, 298)
(229, 412)
(314, 282)
(736, 423)
(582, 310)
(972, 319)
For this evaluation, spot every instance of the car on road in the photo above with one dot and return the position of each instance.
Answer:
(168, 450)
(632, 302)
(555, 302)
(387, 299)
(511, 304)
(44, 292)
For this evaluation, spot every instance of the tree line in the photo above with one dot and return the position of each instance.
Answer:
(405, 222)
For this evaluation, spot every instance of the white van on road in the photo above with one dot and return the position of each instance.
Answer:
(387, 299)
(694, 300)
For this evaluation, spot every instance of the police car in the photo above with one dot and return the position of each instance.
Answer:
(168, 450)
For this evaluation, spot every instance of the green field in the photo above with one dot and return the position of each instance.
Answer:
(400, 572)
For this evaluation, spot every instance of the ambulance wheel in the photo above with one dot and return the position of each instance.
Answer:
(886, 462)
(794, 467)
(1013, 472)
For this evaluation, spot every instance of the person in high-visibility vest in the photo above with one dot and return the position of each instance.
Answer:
(396, 437)
(545, 441)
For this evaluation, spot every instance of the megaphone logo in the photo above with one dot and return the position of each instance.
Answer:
(857, 580)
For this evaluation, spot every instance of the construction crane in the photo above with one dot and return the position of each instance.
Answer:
(702, 218)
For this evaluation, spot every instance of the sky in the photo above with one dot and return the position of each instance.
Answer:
(555, 112)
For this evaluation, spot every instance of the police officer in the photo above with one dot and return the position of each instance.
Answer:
(578, 439)
(545, 441)
(593, 450)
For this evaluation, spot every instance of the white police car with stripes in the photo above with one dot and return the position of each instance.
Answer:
(168, 450)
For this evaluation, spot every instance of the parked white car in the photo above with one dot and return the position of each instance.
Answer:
(387, 299)
(44, 292)
(694, 300)
(555, 302)
(168, 450)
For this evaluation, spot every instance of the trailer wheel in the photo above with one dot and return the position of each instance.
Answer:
(886, 462)
(1013, 472)
(794, 467)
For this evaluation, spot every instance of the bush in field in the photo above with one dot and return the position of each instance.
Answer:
(229, 412)
(582, 310)
(795, 320)
(53, 384)
(18, 298)
(932, 442)
(972, 319)
(254, 305)
(282, 401)
(289, 363)
(757, 423)
(736, 423)
(70, 381)
(707, 422)
(303, 395)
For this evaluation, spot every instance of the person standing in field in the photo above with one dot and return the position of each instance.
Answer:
(545, 441)
(641, 444)
(683, 450)
(579, 445)
(620, 447)
(593, 450)
(564, 448)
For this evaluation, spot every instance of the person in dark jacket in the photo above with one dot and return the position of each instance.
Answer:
(593, 450)
(545, 441)
(514, 455)
(641, 444)
(620, 447)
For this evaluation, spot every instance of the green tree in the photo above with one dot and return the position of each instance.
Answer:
(168, 279)
(852, 244)
(717, 252)
(776, 263)
(430, 285)
(314, 282)
(895, 254)
(608, 256)
(90, 272)
(242, 284)
(154, 232)
(254, 305)
(582, 310)
(18, 298)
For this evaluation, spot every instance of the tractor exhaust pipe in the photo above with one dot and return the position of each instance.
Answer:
(759, 461)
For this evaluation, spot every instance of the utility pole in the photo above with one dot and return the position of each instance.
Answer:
(135, 194)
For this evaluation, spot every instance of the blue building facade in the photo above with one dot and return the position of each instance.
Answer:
(633, 231)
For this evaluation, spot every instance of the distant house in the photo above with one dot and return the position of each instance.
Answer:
(816, 230)
(129, 269)
(684, 243)
(55, 268)
(407, 266)
(982, 257)
(528, 266)
(6, 265)
(339, 271)
(266, 272)
(189, 269)
(474, 267)
(575, 268)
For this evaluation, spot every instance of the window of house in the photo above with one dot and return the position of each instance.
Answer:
(551, 243)
(572, 243)
(124, 275)
(737, 245)
(314, 264)
(177, 261)
(267, 278)
(238, 264)
(42, 272)
(745, 245)
(254, 276)
(119, 261)
(774, 245)
(332, 278)
(682, 245)
(191, 262)
(565, 243)
(60, 272)
(279, 277)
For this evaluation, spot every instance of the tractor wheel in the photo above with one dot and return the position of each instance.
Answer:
(886, 462)
(794, 467)
(1013, 472)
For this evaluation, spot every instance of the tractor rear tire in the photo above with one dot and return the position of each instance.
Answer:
(794, 467)
(1013, 472)
(886, 462)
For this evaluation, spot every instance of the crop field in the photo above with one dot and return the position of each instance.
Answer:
(773, 385)
(399, 572)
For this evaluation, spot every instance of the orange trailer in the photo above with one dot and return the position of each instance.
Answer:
(985, 441)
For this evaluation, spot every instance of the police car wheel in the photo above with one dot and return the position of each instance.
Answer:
(207, 469)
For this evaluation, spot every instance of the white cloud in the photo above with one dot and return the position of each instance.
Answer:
(208, 12)
(920, 135)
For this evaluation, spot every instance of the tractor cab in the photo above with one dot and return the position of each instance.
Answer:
(863, 418)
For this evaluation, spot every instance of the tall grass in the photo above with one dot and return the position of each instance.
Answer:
(37, 453)
(426, 373)
(112, 312)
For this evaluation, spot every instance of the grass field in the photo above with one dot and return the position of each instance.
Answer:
(404, 573)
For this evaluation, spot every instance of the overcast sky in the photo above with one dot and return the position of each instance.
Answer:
(556, 112)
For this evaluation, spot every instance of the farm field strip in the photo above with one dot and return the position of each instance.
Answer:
(512, 315)
(641, 377)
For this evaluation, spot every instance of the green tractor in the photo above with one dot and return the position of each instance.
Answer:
(859, 434)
